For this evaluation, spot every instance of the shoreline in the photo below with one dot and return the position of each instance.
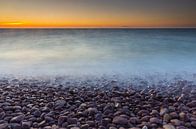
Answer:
(37, 104)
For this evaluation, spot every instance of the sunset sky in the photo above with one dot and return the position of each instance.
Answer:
(97, 13)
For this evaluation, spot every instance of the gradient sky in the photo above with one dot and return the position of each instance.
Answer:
(97, 13)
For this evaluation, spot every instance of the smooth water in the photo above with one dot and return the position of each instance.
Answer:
(97, 51)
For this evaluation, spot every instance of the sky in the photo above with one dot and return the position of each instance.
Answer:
(97, 13)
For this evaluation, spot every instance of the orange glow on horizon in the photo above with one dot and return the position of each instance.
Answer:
(134, 24)
(97, 13)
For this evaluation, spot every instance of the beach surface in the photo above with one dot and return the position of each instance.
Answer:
(40, 104)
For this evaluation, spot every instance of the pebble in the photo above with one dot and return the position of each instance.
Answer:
(155, 120)
(168, 126)
(26, 124)
(4, 126)
(176, 122)
(166, 118)
(120, 120)
(17, 119)
(193, 123)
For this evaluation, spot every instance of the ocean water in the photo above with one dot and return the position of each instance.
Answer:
(81, 52)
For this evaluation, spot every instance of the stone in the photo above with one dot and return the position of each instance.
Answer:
(84, 126)
(166, 117)
(49, 119)
(60, 103)
(193, 123)
(120, 120)
(192, 104)
(176, 122)
(168, 126)
(112, 128)
(174, 115)
(61, 120)
(181, 127)
(154, 113)
(15, 126)
(163, 111)
(2, 115)
(72, 120)
(182, 116)
(155, 120)
(4, 126)
(92, 111)
(17, 119)
(74, 128)
(134, 120)
(26, 124)
(91, 123)
(37, 113)
(144, 127)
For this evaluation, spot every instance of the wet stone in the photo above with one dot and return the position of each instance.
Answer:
(120, 120)
(17, 119)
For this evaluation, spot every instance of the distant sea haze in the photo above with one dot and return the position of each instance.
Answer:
(97, 51)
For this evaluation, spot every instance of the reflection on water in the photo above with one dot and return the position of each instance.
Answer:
(97, 51)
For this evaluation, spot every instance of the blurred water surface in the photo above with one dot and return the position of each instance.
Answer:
(97, 51)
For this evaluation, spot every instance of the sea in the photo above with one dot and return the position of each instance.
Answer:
(98, 52)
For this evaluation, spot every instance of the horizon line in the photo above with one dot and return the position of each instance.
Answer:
(97, 27)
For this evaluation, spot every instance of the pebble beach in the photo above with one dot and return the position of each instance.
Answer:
(35, 104)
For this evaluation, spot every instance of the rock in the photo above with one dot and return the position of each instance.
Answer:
(17, 119)
(2, 115)
(72, 120)
(15, 126)
(182, 116)
(49, 119)
(192, 104)
(121, 128)
(174, 115)
(143, 112)
(17, 107)
(120, 120)
(85, 126)
(106, 121)
(61, 120)
(134, 120)
(4, 126)
(60, 103)
(154, 113)
(145, 118)
(92, 111)
(74, 128)
(155, 120)
(37, 113)
(102, 127)
(144, 127)
(188, 124)
(42, 123)
(91, 123)
(45, 109)
(47, 127)
(193, 123)
(166, 117)
(163, 111)
(168, 126)
(181, 127)
(171, 109)
(26, 124)
(176, 122)
(112, 128)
